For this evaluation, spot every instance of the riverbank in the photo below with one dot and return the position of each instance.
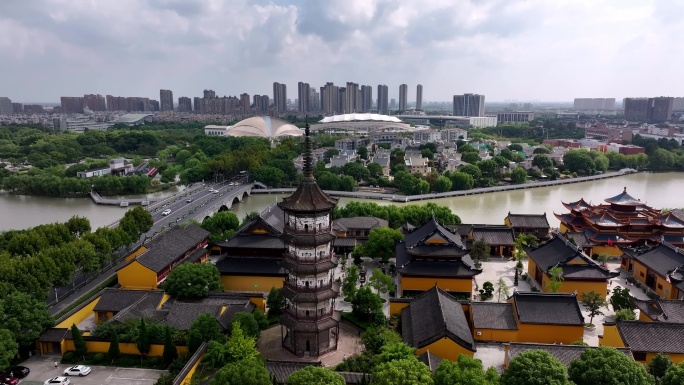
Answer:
(450, 194)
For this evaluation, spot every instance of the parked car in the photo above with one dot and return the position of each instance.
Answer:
(8, 380)
(57, 381)
(17, 371)
(166, 212)
(78, 370)
(189, 200)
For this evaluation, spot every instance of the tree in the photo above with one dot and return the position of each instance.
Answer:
(268, 175)
(579, 161)
(470, 157)
(374, 169)
(556, 279)
(501, 289)
(349, 283)
(674, 375)
(605, 365)
(221, 225)
(659, 366)
(625, 315)
(395, 351)
(250, 327)
(408, 371)
(362, 152)
(356, 171)
(8, 348)
(275, 302)
(366, 304)
(381, 282)
(170, 353)
(25, 317)
(314, 375)
(621, 299)
(260, 318)
(535, 367)
(487, 290)
(593, 302)
(78, 226)
(543, 162)
(442, 184)
(465, 370)
(143, 338)
(114, 351)
(79, 343)
(660, 159)
(193, 280)
(375, 337)
(518, 175)
(205, 328)
(243, 372)
(461, 181)
(381, 241)
(603, 259)
(479, 251)
(239, 346)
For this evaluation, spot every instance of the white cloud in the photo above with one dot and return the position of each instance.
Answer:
(533, 49)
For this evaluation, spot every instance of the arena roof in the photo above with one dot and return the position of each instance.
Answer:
(132, 118)
(261, 126)
(359, 117)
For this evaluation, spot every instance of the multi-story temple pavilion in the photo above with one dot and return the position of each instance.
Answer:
(310, 324)
(622, 221)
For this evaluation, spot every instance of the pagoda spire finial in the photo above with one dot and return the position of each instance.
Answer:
(625, 190)
(308, 156)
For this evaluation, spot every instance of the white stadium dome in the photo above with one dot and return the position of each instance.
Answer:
(360, 117)
(261, 126)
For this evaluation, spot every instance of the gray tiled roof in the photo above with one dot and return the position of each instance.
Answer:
(558, 252)
(580, 238)
(662, 259)
(183, 314)
(169, 246)
(145, 307)
(431, 360)
(490, 315)
(666, 310)
(253, 241)
(494, 235)
(116, 300)
(547, 308)
(420, 234)
(282, 370)
(432, 315)
(529, 221)
(454, 267)
(54, 335)
(366, 223)
(564, 353)
(274, 216)
(657, 337)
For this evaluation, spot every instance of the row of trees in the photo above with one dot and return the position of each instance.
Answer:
(398, 215)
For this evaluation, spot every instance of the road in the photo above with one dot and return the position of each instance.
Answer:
(60, 298)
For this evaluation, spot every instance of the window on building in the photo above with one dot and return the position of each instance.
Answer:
(639, 356)
(660, 286)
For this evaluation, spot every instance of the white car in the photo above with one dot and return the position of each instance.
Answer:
(166, 212)
(231, 184)
(57, 381)
(78, 370)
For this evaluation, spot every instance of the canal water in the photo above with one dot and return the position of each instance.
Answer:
(661, 190)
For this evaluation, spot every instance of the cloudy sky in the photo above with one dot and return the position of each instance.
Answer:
(505, 49)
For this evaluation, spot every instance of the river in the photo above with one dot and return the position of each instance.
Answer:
(661, 190)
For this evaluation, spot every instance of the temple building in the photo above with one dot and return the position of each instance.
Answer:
(310, 324)
(622, 221)
(432, 255)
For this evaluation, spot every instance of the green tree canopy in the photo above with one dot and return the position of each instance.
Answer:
(408, 371)
(249, 325)
(620, 299)
(80, 346)
(221, 225)
(466, 370)
(25, 317)
(170, 352)
(518, 175)
(193, 280)
(593, 302)
(242, 372)
(375, 337)
(674, 375)
(205, 328)
(275, 302)
(607, 366)
(442, 184)
(579, 161)
(315, 375)
(8, 348)
(461, 181)
(659, 366)
(114, 351)
(366, 304)
(535, 367)
(143, 338)
(381, 282)
(381, 242)
(268, 175)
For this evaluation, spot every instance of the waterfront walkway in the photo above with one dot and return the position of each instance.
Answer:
(483, 190)
(117, 202)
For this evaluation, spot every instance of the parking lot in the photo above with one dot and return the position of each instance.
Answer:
(43, 368)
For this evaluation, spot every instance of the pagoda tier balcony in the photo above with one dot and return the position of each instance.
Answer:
(307, 289)
(307, 238)
(299, 266)
(300, 295)
(313, 315)
(314, 325)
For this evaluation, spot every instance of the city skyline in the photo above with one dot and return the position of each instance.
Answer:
(532, 50)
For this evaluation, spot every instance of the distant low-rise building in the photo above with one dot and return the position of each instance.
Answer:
(509, 117)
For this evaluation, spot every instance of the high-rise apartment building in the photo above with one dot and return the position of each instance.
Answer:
(209, 93)
(6, 106)
(279, 97)
(469, 105)
(94, 102)
(636, 109)
(329, 98)
(17, 108)
(196, 103)
(594, 104)
(244, 103)
(154, 105)
(166, 100)
(403, 91)
(419, 97)
(261, 103)
(393, 104)
(184, 104)
(314, 100)
(352, 102)
(366, 98)
(678, 104)
(383, 99)
(303, 94)
(72, 104)
(660, 109)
